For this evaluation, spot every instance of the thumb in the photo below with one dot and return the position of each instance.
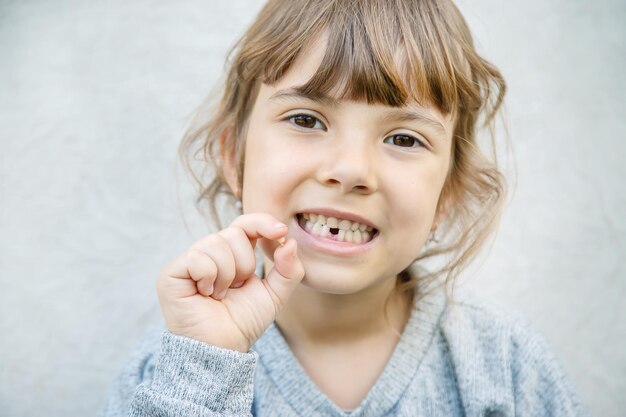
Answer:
(286, 274)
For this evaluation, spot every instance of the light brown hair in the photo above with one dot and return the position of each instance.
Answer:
(379, 51)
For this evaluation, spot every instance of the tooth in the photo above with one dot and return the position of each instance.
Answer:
(362, 227)
(350, 236)
(313, 217)
(306, 216)
(321, 219)
(369, 228)
(332, 222)
(345, 224)
(355, 226)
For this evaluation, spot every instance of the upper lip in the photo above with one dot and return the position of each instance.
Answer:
(329, 212)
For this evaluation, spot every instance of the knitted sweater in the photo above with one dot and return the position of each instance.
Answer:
(467, 358)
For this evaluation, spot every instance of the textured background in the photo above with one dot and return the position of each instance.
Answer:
(94, 97)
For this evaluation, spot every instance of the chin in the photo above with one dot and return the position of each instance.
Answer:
(334, 282)
(329, 288)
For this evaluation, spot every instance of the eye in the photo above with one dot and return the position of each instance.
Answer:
(306, 121)
(405, 141)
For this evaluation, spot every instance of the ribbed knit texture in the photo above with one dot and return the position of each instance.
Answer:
(469, 359)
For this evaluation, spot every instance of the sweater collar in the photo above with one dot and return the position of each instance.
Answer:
(306, 398)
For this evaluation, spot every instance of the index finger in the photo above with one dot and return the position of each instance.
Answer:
(261, 225)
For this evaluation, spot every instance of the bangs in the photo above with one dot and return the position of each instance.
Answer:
(374, 53)
(388, 52)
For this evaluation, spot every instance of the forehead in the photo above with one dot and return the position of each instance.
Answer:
(293, 86)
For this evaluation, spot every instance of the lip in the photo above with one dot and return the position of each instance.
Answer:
(329, 212)
(330, 247)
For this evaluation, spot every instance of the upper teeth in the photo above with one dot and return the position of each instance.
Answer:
(334, 223)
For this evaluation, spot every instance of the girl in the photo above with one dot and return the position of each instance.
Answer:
(346, 135)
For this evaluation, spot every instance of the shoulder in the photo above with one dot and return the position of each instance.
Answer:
(484, 320)
(140, 363)
(493, 330)
(138, 368)
(499, 356)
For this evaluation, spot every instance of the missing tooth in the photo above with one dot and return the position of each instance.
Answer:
(334, 230)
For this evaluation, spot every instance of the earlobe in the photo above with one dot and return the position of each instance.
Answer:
(443, 209)
(227, 156)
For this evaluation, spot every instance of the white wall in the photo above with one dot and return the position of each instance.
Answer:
(94, 97)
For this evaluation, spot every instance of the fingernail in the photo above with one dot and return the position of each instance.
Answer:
(279, 225)
(221, 294)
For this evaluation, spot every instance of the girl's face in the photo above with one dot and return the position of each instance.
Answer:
(387, 165)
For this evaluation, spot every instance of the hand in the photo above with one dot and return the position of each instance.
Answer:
(210, 292)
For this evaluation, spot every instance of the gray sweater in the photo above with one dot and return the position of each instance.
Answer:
(467, 358)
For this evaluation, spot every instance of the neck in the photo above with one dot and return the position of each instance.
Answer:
(311, 317)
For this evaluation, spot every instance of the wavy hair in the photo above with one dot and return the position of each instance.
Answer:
(378, 51)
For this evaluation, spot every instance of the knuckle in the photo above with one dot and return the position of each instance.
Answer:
(207, 242)
(240, 219)
(219, 239)
(195, 254)
(231, 233)
(253, 217)
(192, 254)
(247, 269)
(214, 239)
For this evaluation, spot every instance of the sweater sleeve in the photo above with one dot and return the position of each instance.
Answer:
(541, 386)
(184, 377)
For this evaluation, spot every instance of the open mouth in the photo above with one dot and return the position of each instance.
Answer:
(337, 230)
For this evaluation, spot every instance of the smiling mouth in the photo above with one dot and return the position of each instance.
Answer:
(337, 234)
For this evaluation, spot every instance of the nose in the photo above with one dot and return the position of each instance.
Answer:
(349, 164)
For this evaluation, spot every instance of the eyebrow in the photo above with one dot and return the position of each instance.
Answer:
(413, 116)
(389, 116)
(294, 94)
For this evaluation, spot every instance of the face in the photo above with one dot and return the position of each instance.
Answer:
(304, 156)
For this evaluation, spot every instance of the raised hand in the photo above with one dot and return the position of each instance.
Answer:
(210, 292)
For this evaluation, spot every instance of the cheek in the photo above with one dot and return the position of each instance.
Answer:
(278, 156)
(270, 176)
(414, 201)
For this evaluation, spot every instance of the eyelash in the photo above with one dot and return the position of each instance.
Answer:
(290, 119)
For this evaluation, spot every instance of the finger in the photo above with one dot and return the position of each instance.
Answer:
(286, 274)
(254, 225)
(219, 250)
(180, 274)
(260, 225)
(243, 253)
(250, 227)
(203, 270)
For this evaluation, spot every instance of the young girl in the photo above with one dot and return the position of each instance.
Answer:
(346, 135)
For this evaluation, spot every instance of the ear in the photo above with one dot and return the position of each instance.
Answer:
(443, 209)
(227, 156)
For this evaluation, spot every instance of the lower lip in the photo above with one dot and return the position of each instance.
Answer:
(331, 247)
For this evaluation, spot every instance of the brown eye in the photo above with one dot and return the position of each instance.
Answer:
(405, 141)
(306, 121)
